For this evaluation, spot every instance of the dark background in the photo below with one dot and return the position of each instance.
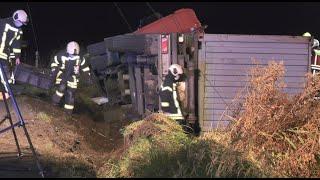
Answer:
(57, 23)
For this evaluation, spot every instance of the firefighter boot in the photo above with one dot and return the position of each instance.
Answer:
(68, 111)
(69, 100)
(55, 100)
(58, 94)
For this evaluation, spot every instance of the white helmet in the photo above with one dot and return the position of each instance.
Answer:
(315, 43)
(176, 70)
(20, 17)
(73, 48)
(306, 34)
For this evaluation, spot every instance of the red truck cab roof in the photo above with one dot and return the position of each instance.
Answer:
(181, 21)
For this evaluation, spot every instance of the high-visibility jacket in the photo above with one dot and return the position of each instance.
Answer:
(169, 98)
(10, 37)
(64, 66)
(10, 45)
(315, 60)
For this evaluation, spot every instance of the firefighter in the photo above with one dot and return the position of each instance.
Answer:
(168, 94)
(67, 65)
(10, 47)
(315, 60)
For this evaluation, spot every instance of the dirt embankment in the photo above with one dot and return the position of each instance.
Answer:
(69, 146)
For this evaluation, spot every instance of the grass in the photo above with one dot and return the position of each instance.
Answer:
(68, 166)
(44, 117)
(276, 135)
(281, 130)
(158, 147)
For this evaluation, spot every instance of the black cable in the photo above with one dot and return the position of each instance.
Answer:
(123, 17)
(153, 11)
(33, 30)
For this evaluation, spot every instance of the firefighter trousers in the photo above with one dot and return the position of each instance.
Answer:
(9, 73)
(68, 93)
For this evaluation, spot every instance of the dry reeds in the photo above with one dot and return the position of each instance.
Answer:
(282, 131)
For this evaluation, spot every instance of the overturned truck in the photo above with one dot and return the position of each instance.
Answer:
(216, 65)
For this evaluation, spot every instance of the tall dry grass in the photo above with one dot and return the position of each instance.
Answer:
(278, 131)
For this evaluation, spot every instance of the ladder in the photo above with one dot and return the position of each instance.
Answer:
(20, 123)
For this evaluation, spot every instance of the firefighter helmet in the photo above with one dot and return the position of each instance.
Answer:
(20, 17)
(73, 48)
(176, 70)
(306, 34)
(315, 43)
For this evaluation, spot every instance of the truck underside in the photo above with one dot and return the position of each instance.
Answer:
(141, 59)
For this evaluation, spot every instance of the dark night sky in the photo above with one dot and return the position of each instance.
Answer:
(56, 23)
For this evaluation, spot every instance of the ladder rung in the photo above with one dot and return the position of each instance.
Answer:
(10, 127)
(5, 118)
